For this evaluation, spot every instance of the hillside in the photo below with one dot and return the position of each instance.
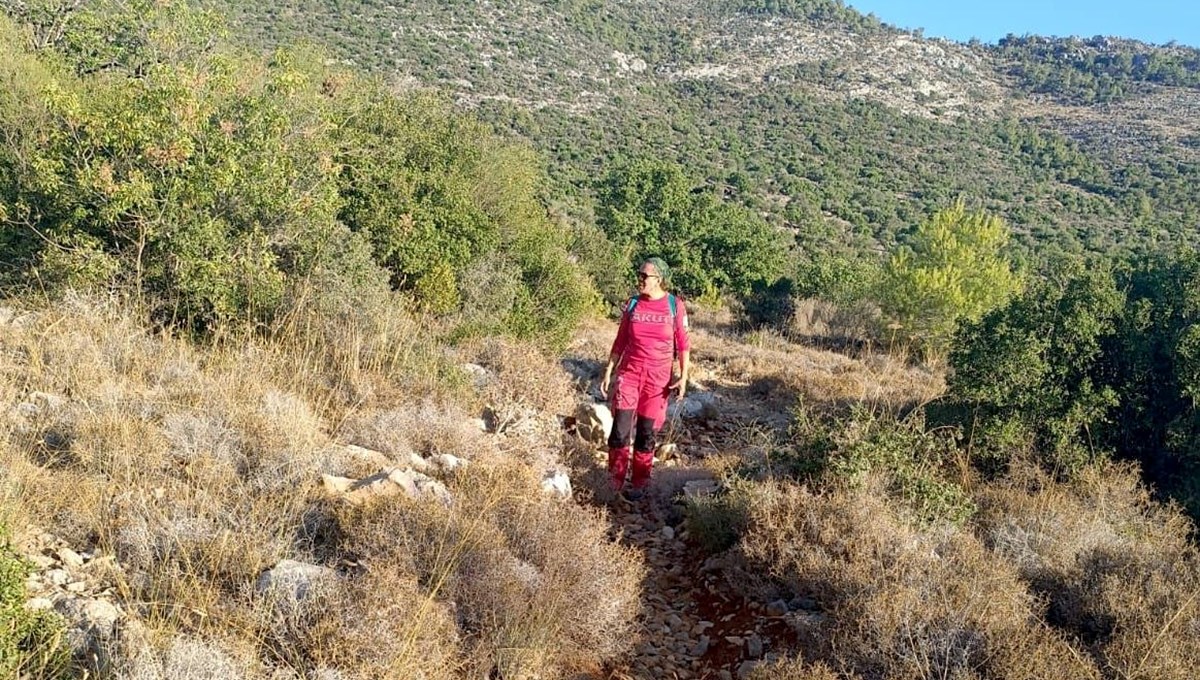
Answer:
(837, 125)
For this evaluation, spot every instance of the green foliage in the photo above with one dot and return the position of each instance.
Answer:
(217, 188)
(1031, 375)
(1098, 69)
(1155, 364)
(717, 522)
(953, 269)
(650, 208)
(914, 461)
(31, 642)
(812, 10)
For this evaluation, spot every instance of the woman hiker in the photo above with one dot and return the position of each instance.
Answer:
(653, 331)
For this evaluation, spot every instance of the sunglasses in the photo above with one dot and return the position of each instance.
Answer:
(642, 276)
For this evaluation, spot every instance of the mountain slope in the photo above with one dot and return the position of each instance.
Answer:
(838, 126)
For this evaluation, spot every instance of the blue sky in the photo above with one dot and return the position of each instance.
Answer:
(1156, 21)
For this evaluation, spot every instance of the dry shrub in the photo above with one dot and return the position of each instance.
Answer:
(901, 602)
(184, 658)
(378, 624)
(797, 669)
(1117, 569)
(425, 428)
(537, 585)
(196, 467)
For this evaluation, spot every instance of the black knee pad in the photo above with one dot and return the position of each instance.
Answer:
(645, 438)
(622, 429)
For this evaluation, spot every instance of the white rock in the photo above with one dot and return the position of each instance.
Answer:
(293, 580)
(91, 624)
(594, 422)
(478, 375)
(369, 457)
(668, 533)
(70, 558)
(695, 405)
(336, 485)
(447, 462)
(58, 577)
(698, 488)
(420, 464)
(557, 482)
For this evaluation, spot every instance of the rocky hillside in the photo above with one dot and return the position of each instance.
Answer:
(827, 121)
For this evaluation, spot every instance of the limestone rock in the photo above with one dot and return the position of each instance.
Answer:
(479, 376)
(594, 422)
(91, 624)
(754, 647)
(698, 488)
(70, 558)
(701, 405)
(447, 462)
(557, 483)
(367, 456)
(385, 483)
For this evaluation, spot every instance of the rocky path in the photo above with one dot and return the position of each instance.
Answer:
(694, 623)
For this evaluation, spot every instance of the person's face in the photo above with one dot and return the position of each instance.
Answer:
(648, 279)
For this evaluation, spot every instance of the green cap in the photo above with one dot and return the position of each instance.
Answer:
(664, 271)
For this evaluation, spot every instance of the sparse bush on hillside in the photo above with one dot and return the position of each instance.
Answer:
(865, 445)
(1117, 570)
(197, 468)
(537, 587)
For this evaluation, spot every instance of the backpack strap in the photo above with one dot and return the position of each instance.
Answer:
(670, 301)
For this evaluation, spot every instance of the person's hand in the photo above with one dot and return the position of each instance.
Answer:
(605, 383)
(679, 385)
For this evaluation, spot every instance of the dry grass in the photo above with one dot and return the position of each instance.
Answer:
(197, 468)
(1118, 570)
(538, 588)
(901, 602)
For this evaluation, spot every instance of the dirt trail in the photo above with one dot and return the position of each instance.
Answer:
(696, 620)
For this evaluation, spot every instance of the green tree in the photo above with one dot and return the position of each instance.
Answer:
(651, 208)
(952, 269)
(1033, 374)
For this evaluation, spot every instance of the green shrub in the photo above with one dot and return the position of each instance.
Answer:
(221, 189)
(1034, 371)
(717, 522)
(952, 269)
(31, 642)
(914, 461)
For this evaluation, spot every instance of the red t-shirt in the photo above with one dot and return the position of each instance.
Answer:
(649, 334)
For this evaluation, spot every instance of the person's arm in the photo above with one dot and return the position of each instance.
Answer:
(614, 355)
(683, 349)
(685, 366)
